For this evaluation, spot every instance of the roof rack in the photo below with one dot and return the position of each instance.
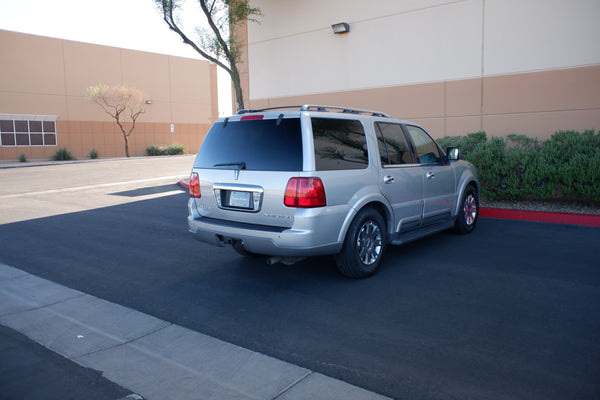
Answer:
(311, 107)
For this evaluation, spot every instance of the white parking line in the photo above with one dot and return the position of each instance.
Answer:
(73, 189)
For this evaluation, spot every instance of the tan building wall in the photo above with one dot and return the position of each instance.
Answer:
(46, 79)
(503, 66)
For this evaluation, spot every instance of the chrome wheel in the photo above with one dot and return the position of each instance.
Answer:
(470, 209)
(364, 245)
(369, 244)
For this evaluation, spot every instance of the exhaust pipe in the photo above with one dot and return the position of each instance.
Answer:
(284, 260)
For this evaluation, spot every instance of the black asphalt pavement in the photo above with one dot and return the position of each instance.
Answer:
(30, 371)
(508, 312)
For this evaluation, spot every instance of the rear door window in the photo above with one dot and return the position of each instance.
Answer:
(394, 149)
(339, 144)
(261, 145)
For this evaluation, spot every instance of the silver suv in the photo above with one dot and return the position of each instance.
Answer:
(294, 182)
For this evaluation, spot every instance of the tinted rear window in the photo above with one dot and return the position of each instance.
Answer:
(339, 144)
(262, 145)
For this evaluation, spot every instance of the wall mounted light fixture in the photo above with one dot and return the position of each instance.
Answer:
(148, 101)
(341, 27)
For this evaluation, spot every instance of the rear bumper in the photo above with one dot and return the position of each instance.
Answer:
(261, 239)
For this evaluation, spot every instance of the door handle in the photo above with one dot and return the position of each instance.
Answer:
(430, 175)
(388, 179)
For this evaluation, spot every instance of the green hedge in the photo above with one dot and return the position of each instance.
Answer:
(165, 151)
(564, 167)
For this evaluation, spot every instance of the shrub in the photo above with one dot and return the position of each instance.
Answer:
(63, 155)
(176, 150)
(153, 151)
(565, 167)
(93, 154)
(466, 143)
(22, 158)
(165, 151)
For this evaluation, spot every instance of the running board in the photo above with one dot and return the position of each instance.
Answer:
(409, 236)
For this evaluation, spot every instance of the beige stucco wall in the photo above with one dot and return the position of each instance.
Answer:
(46, 76)
(503, 66)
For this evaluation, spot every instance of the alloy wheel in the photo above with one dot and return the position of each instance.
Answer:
(470, 209)
(369, 243)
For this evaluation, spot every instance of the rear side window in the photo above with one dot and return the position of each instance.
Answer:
(339, 144)
(393, 146)
(261, 145)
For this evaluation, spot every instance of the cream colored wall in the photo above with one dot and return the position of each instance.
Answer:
(503, 66)
(402, 42)
(46, 76)
(538, 35)
(390, 43)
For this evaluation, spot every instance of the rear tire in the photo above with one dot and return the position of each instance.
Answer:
(364, 245)
(468, 213)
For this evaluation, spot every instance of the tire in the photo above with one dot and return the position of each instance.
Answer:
(468, 213)
(364, 245)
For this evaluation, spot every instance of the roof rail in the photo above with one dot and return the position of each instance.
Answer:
(312, 107)
(248, 111)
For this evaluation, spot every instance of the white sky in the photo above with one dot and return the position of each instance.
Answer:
(130, 24)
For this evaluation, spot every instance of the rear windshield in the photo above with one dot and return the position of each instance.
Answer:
(262, 145)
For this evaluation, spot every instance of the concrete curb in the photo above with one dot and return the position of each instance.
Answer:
(520, 215)
(185, 183)
(44, 163)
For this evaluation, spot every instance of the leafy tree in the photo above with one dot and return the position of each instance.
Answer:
(120, 102)
(217, 43)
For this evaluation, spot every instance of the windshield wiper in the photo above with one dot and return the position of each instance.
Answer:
(240, 165)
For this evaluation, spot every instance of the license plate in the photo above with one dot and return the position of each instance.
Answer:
(239, 199)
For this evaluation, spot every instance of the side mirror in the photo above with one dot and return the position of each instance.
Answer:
(453, 153)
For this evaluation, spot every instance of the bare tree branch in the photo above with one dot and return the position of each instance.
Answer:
(115, 100)
(170, 20)
(215, 44)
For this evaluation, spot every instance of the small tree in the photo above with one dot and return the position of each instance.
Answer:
(216, 43)
(120, 102)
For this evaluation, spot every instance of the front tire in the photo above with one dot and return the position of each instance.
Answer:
(364, 245)
(468, 213)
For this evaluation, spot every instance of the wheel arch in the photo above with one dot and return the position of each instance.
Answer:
(463, 188)
(378, 205)
(466, 174)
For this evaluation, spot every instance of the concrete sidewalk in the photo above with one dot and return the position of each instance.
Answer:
(149, 356)
(46, 162)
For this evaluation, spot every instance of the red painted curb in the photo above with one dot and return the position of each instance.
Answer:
(503, 213)
(185, 182)
(541, 216)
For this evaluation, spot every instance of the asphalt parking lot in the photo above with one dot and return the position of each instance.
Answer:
(510, 311)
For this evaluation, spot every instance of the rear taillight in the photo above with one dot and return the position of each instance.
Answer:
(305, 193)
(194, 185)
